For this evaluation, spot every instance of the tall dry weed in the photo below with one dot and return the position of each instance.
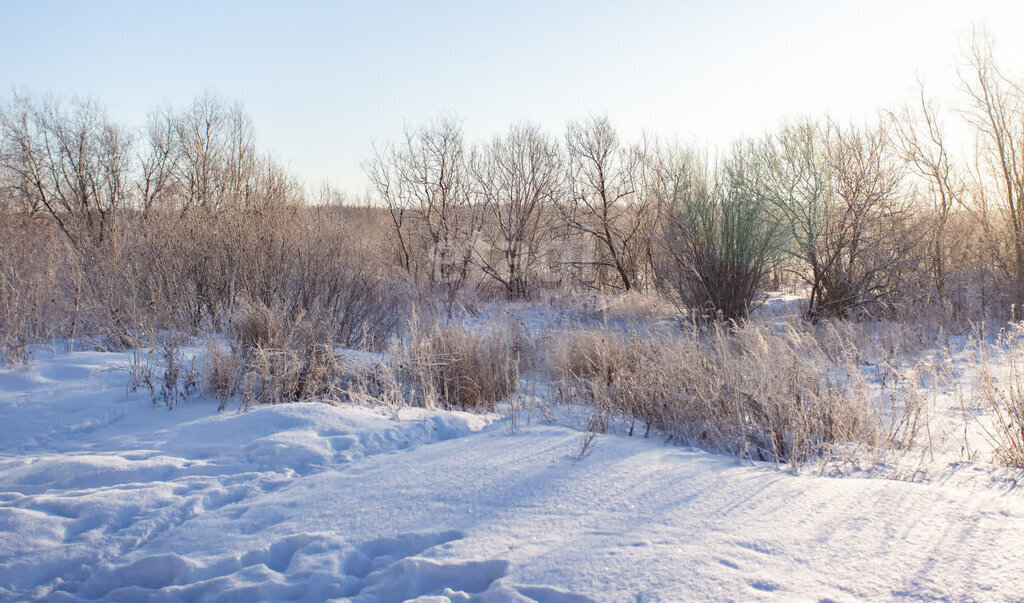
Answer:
(756, 392)
(1000, 392)
(455, 367)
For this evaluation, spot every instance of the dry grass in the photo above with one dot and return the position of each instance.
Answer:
(179, 379)
(278, 375)
(1000, 392)
(222, 369)
(450, 367)
(839, 393)
(271, 360)
(630, 308)
(256, 326)
(1007, 406)
(455, 367)
(782, 392)
(273, 357)
(753, 391)
(160, 367)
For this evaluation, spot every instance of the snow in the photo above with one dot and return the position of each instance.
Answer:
(104, 496)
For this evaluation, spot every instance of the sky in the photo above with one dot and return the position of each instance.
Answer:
(325, 81)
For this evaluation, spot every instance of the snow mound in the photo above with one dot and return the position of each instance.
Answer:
(105, 497)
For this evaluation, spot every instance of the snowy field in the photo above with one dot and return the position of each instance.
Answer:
(105, 497)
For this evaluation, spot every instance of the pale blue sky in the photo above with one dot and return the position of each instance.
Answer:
(324, 80)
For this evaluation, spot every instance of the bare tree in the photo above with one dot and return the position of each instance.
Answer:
(247, 179)
(517, 178)
(921, 139)
(423, 183)
(997, 114)
(199, 132)
(71, 163)
(606, 200)
(158, 161)
(837, 190)
(218, 161)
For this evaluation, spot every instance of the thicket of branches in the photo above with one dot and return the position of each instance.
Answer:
(111, 234)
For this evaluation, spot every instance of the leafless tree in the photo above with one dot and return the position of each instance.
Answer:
(218, 160)
(158, 160)
(70, 162)
(606, 200)
(997, 113)
(922, 142)
(199, 132)
(664, 172)
(517, 178)
(838, 192)
(424, 185)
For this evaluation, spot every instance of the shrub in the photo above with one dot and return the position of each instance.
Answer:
(455, 367)
(270, 376)
(257, 326)
(721, 239)
(274, 359)
(838, 191)
(178, 380)
(222, 369)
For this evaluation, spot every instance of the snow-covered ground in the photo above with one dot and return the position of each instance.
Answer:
(104, 496)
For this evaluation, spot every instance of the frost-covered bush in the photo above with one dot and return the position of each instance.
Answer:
(754, 391)
(456, 367)
(721, 238)
(1000, 392)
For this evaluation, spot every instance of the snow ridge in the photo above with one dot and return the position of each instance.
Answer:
(105, 497)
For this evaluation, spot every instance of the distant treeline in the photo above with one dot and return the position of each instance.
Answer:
(109, 233)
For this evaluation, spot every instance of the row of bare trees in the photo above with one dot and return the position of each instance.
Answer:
(639, 216)
(70, 161)
(113, 234)
(872, 218)
(515, 205)
(974, 230)
(106, 228)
